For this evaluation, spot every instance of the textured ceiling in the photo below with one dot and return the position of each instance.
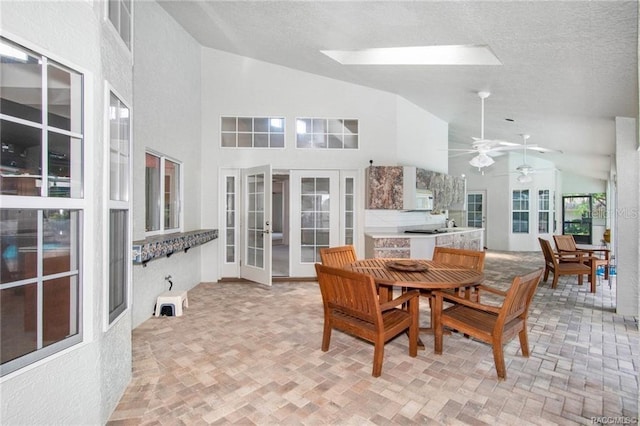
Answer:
(569, 67)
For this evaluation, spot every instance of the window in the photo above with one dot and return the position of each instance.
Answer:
(163, 180)
(41, 221)
(252, 132)
(324, 133)
(230, 220)
(315, 217)
(349, 210)
(543, 211)
(120, 16)
(119, 205)
(520, 211)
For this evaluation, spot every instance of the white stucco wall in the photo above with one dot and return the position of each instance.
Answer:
(82, 384)
(239, 86)
(627, 225)
(166, 120)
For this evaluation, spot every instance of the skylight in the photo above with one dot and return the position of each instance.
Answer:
(417, 55)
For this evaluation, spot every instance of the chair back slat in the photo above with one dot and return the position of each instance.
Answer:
(338, 256)
(565, 243)
(519, 296)
(547, 251)
(350, 293)
(473, 259)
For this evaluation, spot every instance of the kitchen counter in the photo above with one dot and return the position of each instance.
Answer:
(385, 233)
(388, 243)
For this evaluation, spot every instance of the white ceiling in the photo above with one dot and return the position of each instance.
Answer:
(569, 67)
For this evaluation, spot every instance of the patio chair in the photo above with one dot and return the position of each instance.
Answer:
(473, 259)
(566, 244)
(338, 256)
(351, 305)
(494, 325)
(566, 264)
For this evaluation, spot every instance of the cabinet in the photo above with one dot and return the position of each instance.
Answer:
(395, 187)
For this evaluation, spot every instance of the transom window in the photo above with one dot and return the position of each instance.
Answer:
(41, 221)
(120, 15)
(520, 211)
(326, 133)
(252, 132)
(163, 182)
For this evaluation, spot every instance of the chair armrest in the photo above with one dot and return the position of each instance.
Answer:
(404, 298)
(449, 297)
(491, 290)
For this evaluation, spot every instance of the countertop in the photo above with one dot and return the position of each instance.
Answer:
(386, 233)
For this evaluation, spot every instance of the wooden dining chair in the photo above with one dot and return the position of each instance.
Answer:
(566, 244)
(338, 256)
(491, 324)
(472, 259)
(566, 264)
(351, 305)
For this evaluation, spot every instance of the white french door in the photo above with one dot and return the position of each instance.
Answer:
(256, 225)
(315, 218)
(476, 212)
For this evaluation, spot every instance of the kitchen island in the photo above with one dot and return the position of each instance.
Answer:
(396, 243)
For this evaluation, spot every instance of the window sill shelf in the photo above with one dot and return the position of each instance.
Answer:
(165, 245)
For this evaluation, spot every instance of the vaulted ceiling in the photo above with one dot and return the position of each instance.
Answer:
(568, 67)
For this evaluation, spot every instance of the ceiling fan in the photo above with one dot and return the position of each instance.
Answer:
(483, 147)
(524, 170)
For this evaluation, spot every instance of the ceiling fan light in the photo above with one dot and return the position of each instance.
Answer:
(481, 160)
(524, 178)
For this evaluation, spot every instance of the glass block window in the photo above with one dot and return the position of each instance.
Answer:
(326, 133)
(252, 132)
(520, 211)
(315, 220)
(543, 211)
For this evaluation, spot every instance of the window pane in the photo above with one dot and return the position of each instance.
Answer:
(21, 159)
(18, 326)
(119, 141)
(60, 241)
(65, 166)
(171, 195)
(22, 100)
(118, 262)
(19, 244)
(59, 309)
(64, 96)
(152, 192)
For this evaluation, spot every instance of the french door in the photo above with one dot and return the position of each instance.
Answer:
(476, 212)
(315, 218)
(255, 263)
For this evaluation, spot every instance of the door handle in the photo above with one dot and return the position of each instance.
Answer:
(266, 231)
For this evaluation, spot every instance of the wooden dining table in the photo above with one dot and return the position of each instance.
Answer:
(425, 275)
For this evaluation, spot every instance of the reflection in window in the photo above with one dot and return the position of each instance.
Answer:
(41, 172)
(326, 133)
(29, 127)
(543, 211)
(162, 193)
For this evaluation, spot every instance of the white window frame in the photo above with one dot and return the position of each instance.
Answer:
(123, 203)
(81, 203)
(180, 196)
(548, 211)
(521, 210)
(117, 27)
(321, 128)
